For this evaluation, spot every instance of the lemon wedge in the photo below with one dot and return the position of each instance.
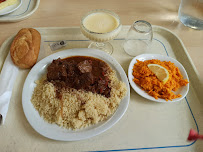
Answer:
(161, 72)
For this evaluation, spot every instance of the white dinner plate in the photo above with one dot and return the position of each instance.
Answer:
(11, 8)
(183, 90)
(53, 131)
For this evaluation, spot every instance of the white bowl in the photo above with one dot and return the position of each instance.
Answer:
(183, 90)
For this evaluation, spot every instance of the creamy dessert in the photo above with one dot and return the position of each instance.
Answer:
(100, 26)
(100, 22)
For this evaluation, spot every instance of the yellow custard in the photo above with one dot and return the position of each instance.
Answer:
(7, 3)
(100, 22)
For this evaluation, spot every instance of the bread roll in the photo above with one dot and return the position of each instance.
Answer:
(25, 48)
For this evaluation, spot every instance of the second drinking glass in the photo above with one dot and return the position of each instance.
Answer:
(139, 38)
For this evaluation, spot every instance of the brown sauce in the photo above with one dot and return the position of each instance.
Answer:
(80, 72)
(2, 1)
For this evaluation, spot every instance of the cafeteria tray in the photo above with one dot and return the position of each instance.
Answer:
(146, 126)
(27, 8)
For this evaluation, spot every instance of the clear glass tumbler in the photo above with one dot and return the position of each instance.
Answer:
(139, 38)
(191, 13)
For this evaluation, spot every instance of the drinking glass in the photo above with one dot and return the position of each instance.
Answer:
(139, 38)
(100, 39)
(191, 13)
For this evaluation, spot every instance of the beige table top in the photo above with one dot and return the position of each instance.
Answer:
(63, 13)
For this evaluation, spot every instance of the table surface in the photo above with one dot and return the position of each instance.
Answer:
(63, 13)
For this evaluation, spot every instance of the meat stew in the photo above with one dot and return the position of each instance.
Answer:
(80, 72)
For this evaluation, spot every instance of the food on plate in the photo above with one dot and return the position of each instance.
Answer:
(78, 73)
(25, 48)
(145, 75)
(6, 3)
(161, 72)
(77, 92)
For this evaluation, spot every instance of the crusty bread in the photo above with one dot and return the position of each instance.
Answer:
(25, 48)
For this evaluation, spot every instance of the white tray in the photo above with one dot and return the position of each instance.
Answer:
(27, 8)
(146, 126)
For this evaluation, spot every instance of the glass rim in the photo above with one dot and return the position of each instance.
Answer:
(97, 11)
(146, 23)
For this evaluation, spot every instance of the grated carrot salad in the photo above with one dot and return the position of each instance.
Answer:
(148, 81)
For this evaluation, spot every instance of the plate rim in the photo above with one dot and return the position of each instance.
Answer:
(109, 122)
(137, 88)
(12, 10)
